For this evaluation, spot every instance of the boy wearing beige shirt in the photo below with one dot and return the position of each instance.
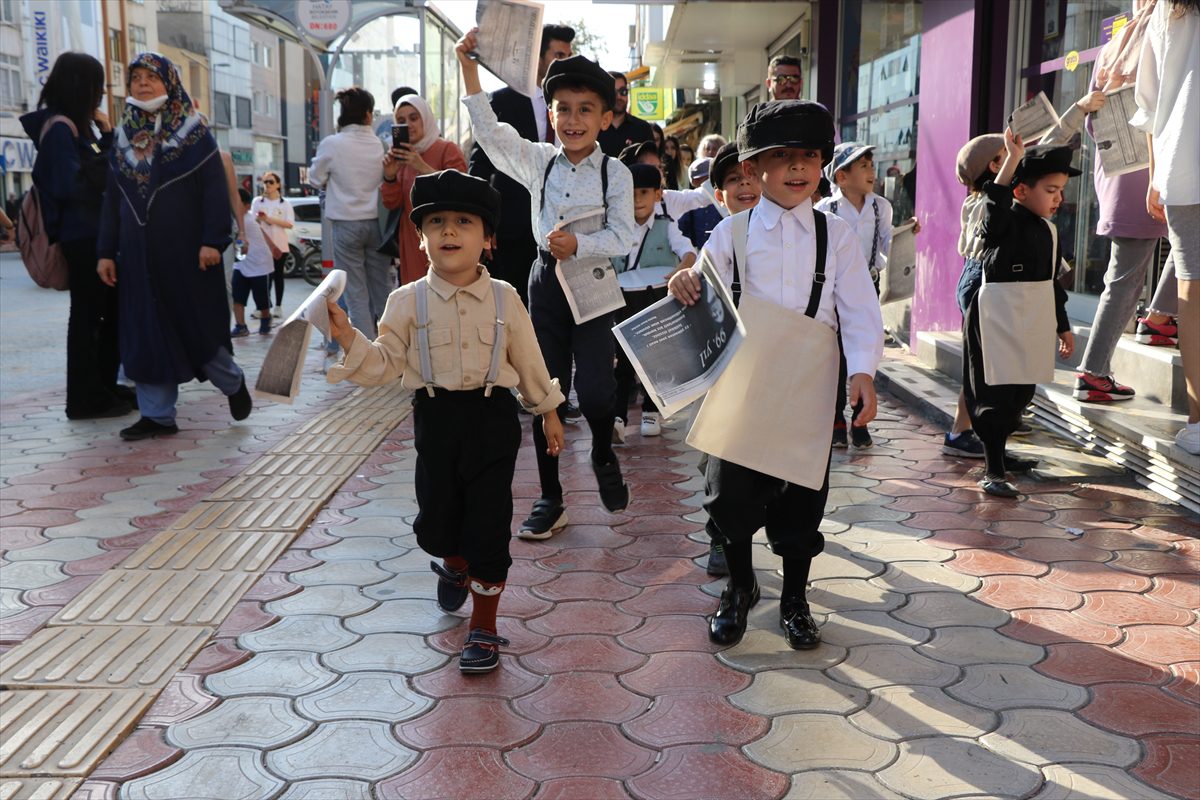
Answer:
(460, 340)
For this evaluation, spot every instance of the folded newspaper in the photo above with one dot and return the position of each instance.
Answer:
(1122, 148)
(279, 377)
(509, 41)
(679, 351)
(1033, 119)
(590, 284)
(897, 281)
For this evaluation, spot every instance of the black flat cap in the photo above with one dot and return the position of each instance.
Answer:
(786, 123)
(633, 153)
(451, 190)
(1046, 159)
(645, 176)
(578, 69)
(725, 160)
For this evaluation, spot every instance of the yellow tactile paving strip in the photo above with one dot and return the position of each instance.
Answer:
(69, 693)
(105, 656)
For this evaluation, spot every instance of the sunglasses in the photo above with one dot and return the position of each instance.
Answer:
(270, 181)
(623, 92)
(787, 79)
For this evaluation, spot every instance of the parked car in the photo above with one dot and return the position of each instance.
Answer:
(307, 226)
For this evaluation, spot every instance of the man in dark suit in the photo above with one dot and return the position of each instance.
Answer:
(626, 129)
(516, 249)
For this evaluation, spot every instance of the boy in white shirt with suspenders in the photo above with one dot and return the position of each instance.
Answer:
(807, 267)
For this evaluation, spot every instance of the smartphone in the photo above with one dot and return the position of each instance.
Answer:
(399, 135)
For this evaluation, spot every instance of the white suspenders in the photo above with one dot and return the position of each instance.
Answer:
(493, 372)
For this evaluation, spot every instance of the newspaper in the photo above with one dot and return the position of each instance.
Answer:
(1122, 148)
(1033, 119)
(644, 278)
(898, 279)
(590, 284)
(510, 40)
(279, 377)
(679, 351)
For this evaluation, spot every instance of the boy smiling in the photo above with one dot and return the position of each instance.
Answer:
(563, 181)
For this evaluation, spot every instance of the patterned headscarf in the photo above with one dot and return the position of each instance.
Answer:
(152, 148)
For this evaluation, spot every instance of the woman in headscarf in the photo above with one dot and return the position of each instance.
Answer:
(426, 152)
(165, 221)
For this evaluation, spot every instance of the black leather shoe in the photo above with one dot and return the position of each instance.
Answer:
(240, 403)
(727, 626)
(481, 653)
(998, 487)
(146, 428)
(799, 628)
(452, 587)
(717, 565)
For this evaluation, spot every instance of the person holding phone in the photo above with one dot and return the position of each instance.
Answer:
(417, 149)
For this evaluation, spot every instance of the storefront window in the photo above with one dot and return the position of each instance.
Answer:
(1072, 32)
(880, 88)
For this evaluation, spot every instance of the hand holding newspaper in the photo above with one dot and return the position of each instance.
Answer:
(509, 41)
(590, 284)
(1033, 119)
(279, 378)
(1122, 148)
(680, 351)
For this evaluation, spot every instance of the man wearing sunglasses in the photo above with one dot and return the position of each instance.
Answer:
(626, 129)
(784, 78)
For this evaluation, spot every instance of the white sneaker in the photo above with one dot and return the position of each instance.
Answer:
(258, 314)
(651, 425)
(1189, 438)
(618, 431)
(277, 312)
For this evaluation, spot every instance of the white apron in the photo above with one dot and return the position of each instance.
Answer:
(769, 411)
(1018, 329)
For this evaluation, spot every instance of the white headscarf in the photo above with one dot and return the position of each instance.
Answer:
(431, 130)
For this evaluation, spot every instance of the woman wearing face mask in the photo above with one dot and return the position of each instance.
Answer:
(166, 212)
(73, 139)
(425, 152)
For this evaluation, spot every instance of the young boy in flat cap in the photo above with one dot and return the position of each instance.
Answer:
(1020, 244)
(810, 264)
(659, 244)
(459, 340)
(563, 181)
(852, 173)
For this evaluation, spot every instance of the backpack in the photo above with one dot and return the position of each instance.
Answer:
(43, 259)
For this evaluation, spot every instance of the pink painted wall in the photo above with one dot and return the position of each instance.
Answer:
(944, 127)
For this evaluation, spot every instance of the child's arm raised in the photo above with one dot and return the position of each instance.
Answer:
(1072, 122)
(997, 211)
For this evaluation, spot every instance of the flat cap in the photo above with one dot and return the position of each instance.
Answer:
(451, 190)
(1046, 159)
(725, 160)
(975, 156)
(786, 123)
(579, 69)
(645, 176)
(699, 169)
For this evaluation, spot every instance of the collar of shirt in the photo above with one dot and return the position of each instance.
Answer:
(770, 213)
(593, 159)
(446, 290)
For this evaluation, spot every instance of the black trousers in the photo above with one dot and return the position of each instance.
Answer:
(626, 375)
(995, 410)
(466, 457)
(277, 278)
(512, 262)
(740, 500)
(590, 346)
(93, 355)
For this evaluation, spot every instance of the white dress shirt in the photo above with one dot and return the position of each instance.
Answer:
(677, 202)
(570, 189)
(781, 253)
(349, 167)
(863, 223)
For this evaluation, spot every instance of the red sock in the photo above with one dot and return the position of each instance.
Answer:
(456, 563)
(485, 599)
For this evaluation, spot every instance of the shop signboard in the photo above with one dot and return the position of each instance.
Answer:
(647, 103)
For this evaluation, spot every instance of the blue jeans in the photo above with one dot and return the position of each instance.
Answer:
(969, 283)
(369, 274)
(156, 401)
(1123, 284)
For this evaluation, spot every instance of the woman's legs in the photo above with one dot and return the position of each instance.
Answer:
(1183, 226)
(1122, 287)
(92, 356)
(277, 279)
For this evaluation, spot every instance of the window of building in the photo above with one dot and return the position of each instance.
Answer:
(261, 54)
(10, 82)
(8, 11)
(222, 109)
(880, 90)
(222, 36)
(241, 43)
(244, 117)
(137, 39)
(270, 104)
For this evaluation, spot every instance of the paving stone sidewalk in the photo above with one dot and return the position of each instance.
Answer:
(973, 648)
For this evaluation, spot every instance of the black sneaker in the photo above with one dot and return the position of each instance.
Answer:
(146, 428)
(240, 403)
(965, 445)
(571, 412)
(839, 436)
(547, 517)
(452, 587)
(264, 327)
(614, 492)
(998, 487)
(861, 438)
(481, 653)
(717, 565)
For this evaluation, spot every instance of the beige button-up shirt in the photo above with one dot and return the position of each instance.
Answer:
(462, 329)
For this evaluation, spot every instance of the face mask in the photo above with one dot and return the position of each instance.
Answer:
(149, 106)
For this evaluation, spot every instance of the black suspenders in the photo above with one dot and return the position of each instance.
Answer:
(818, 285)
(603, 185)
